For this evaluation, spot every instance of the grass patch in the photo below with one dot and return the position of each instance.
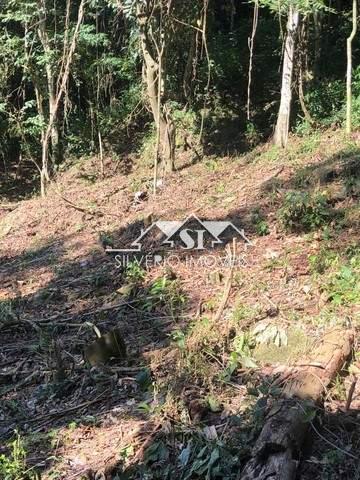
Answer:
(310, 143)
(164, 294)
(298, 344)
(211, 352)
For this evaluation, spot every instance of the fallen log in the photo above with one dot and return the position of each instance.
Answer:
(276, 453)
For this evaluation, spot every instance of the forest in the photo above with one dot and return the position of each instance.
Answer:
(179, 239)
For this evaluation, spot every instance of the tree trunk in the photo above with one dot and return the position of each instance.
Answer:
(56, 153)
(53, 111)
(349, 68)
(61, 82)
(303, 63)
(39, 100)
(190, 66)
(44, 172)
(251, 41)
(154, 79)
(51, 89)
(166, 126)
(168, 137)
(282, 126)
(232, 14)
(318, 17)
(304, 109)
(277, 450)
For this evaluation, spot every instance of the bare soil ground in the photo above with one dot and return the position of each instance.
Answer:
(56, 280)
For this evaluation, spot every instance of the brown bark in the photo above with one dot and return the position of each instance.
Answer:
(190, 66)
(303, 66)
(51, 88)
(36, 83)
(318, 17)
(61, 88)
(304, 109)
(154, 79)
(277, 450)
(251, 41)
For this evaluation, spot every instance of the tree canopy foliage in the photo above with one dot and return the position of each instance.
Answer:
(84, 77)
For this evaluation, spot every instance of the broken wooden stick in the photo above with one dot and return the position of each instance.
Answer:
(228, 283)
(350, 394)
(277, 450)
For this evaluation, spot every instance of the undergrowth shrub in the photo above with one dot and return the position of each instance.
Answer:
(326, 103)
(189, 455)
(165, 294)
(260, 223)
(186, 127)
(147, 148)
(343, 285)
(322, 261)
(339, 274)
(186, 122)
(13, 466)
(304, 211)
(252, 134)
(7, 312)
(212, 351)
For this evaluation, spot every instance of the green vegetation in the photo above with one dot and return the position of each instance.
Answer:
(100, 103)
(240, 355)
(164, 293)
(304, 211)
(198, 457)
(339, 274)
(323, 260)
(260, 223)
(118, 121)
(134, 273)
(343, 284)
(13, 466)
(297, 345)
(7, 312)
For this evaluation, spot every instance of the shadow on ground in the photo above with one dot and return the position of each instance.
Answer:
(58, 316)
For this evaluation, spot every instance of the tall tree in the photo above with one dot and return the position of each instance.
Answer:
(44, 34)
(283, 121)
(251, 41)
(153, 20)
(349, 67)
(55, 99)
(292, 9)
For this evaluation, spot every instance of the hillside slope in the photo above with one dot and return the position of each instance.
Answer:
(190, 386)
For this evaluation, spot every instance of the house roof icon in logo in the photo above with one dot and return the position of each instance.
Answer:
(170, 230)
(193, 221)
